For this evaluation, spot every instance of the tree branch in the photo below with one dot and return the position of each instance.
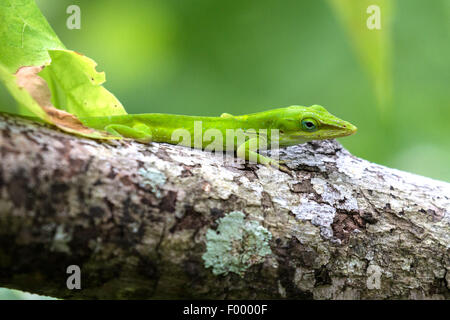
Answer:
(135, 219)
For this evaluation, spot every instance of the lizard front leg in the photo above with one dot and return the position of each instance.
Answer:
(248, 151)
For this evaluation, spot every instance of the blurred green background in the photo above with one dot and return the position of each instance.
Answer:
(204, 57)
(207, 57)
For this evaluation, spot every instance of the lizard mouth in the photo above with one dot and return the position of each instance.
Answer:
(330, 133)
(340, 130)
(326, 132)
(350, 129)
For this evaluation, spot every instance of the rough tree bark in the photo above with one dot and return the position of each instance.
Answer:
(135, 219)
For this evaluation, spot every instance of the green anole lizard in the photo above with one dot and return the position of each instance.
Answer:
(292, 125)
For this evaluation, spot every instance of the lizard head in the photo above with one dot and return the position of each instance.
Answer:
(301, 124)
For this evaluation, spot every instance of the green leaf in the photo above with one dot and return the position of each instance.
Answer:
(372, 46)
(28, 44)
(76, 86)
(32, 91)
(21, 95)
(25, 35)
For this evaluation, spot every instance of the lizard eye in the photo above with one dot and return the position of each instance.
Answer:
(309, 125)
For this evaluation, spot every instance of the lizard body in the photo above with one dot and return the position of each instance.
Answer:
(246, 134)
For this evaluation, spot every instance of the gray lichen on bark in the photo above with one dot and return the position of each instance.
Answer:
(134, 217)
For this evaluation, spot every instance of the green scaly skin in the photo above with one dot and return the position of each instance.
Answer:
(295, 124)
